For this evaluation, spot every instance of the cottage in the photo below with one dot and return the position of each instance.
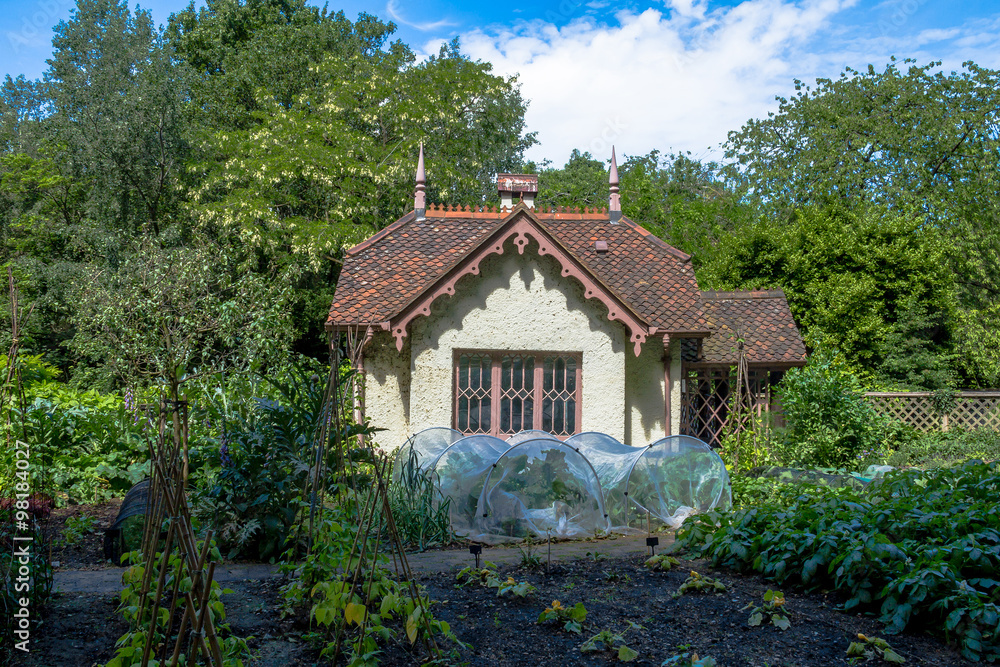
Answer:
(499, 319)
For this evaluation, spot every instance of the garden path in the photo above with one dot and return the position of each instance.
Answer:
(108, 581)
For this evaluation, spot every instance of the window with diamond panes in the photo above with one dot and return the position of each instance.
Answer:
(502, 393)
(474, 389)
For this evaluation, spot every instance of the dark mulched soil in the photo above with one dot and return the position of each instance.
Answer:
(87, 553)
(81, 629)
(505, 632)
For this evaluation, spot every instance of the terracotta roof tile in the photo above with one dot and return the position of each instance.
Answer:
(382, 275)
(764, 321)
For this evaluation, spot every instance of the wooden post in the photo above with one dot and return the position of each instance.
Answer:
(667, 417)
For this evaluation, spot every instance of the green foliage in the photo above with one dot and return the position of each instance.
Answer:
(699, 583)
(689, 660)
(661, 563)
(78, 526)
(915, 138)
(829, 422)
(917, 547)
(87, 445)
(936, 448)
(870, 281)
(11, 590)
(487, 577)
(606, 640)
(773, 608)
(571, 618)
(264, 449)
(130, 646)
(422, 517)
(873, 647)
(361, 599)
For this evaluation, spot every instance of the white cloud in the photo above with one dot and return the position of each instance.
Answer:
(392, 9)
(679, 79)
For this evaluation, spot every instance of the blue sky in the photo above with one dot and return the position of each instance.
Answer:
(671, 75)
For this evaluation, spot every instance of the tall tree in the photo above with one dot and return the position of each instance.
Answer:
(868, 281)
(915, 139)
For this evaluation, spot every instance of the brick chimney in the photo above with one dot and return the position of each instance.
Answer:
(517, 187)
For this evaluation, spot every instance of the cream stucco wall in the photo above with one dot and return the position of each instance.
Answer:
(387, 389)
(519, 302)
(644, 393)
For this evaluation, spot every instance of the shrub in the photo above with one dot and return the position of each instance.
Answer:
(829, 422)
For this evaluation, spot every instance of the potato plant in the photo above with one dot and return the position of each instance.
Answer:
(918, 548)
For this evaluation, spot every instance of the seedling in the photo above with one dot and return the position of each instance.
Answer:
(689, 660)
(77, 527)
(475, 575)
(661, 563)
(595, 556)
(511, 587)
(873, 647)
(697, 583)
(529, 559)
(571, 617)
(774, 606)
(605, 640)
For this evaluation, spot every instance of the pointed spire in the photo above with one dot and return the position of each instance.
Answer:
(419, 196)
(614, 200)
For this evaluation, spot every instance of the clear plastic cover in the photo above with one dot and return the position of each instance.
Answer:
(421, 449)
(612, 461)
(676, 477)
(540, 488)
(530, 434)
(536, 485)
(460, 472)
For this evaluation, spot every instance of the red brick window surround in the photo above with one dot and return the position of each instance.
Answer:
(500, 393)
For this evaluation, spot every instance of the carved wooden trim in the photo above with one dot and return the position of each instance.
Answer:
(520, 226)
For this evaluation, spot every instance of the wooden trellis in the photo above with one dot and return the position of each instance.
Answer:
(972, 409)
(706, 393)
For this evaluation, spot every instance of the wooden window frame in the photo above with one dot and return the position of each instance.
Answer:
(496, 363)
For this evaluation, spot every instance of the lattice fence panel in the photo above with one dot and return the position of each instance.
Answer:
(972, 410)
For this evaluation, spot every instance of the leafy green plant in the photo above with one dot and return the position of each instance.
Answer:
(78, 526)
(829, 421)
(529, 559)
(480, 576)
(688, 660)
(264, 450)
(422, 517)
(606, 640)
(661, 563)
(698, 583)
(915, 547)
(873, 647)
(514, 588)
(773, 608)
(571, 618)
(129, 648)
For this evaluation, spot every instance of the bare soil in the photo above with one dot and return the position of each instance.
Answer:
(81, 628)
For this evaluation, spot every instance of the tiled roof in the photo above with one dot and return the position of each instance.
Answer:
(761, 318)
(386, 273)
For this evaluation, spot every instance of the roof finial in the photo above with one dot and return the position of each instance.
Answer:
(419, 196)
(614, 201)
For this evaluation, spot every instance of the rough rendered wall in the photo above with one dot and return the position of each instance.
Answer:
(644, 394)
(387, 389)
(675, 387)
(519, 302)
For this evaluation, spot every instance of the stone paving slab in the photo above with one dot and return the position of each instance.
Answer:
(109, 581)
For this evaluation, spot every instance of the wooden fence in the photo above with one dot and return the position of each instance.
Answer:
(971, 410)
